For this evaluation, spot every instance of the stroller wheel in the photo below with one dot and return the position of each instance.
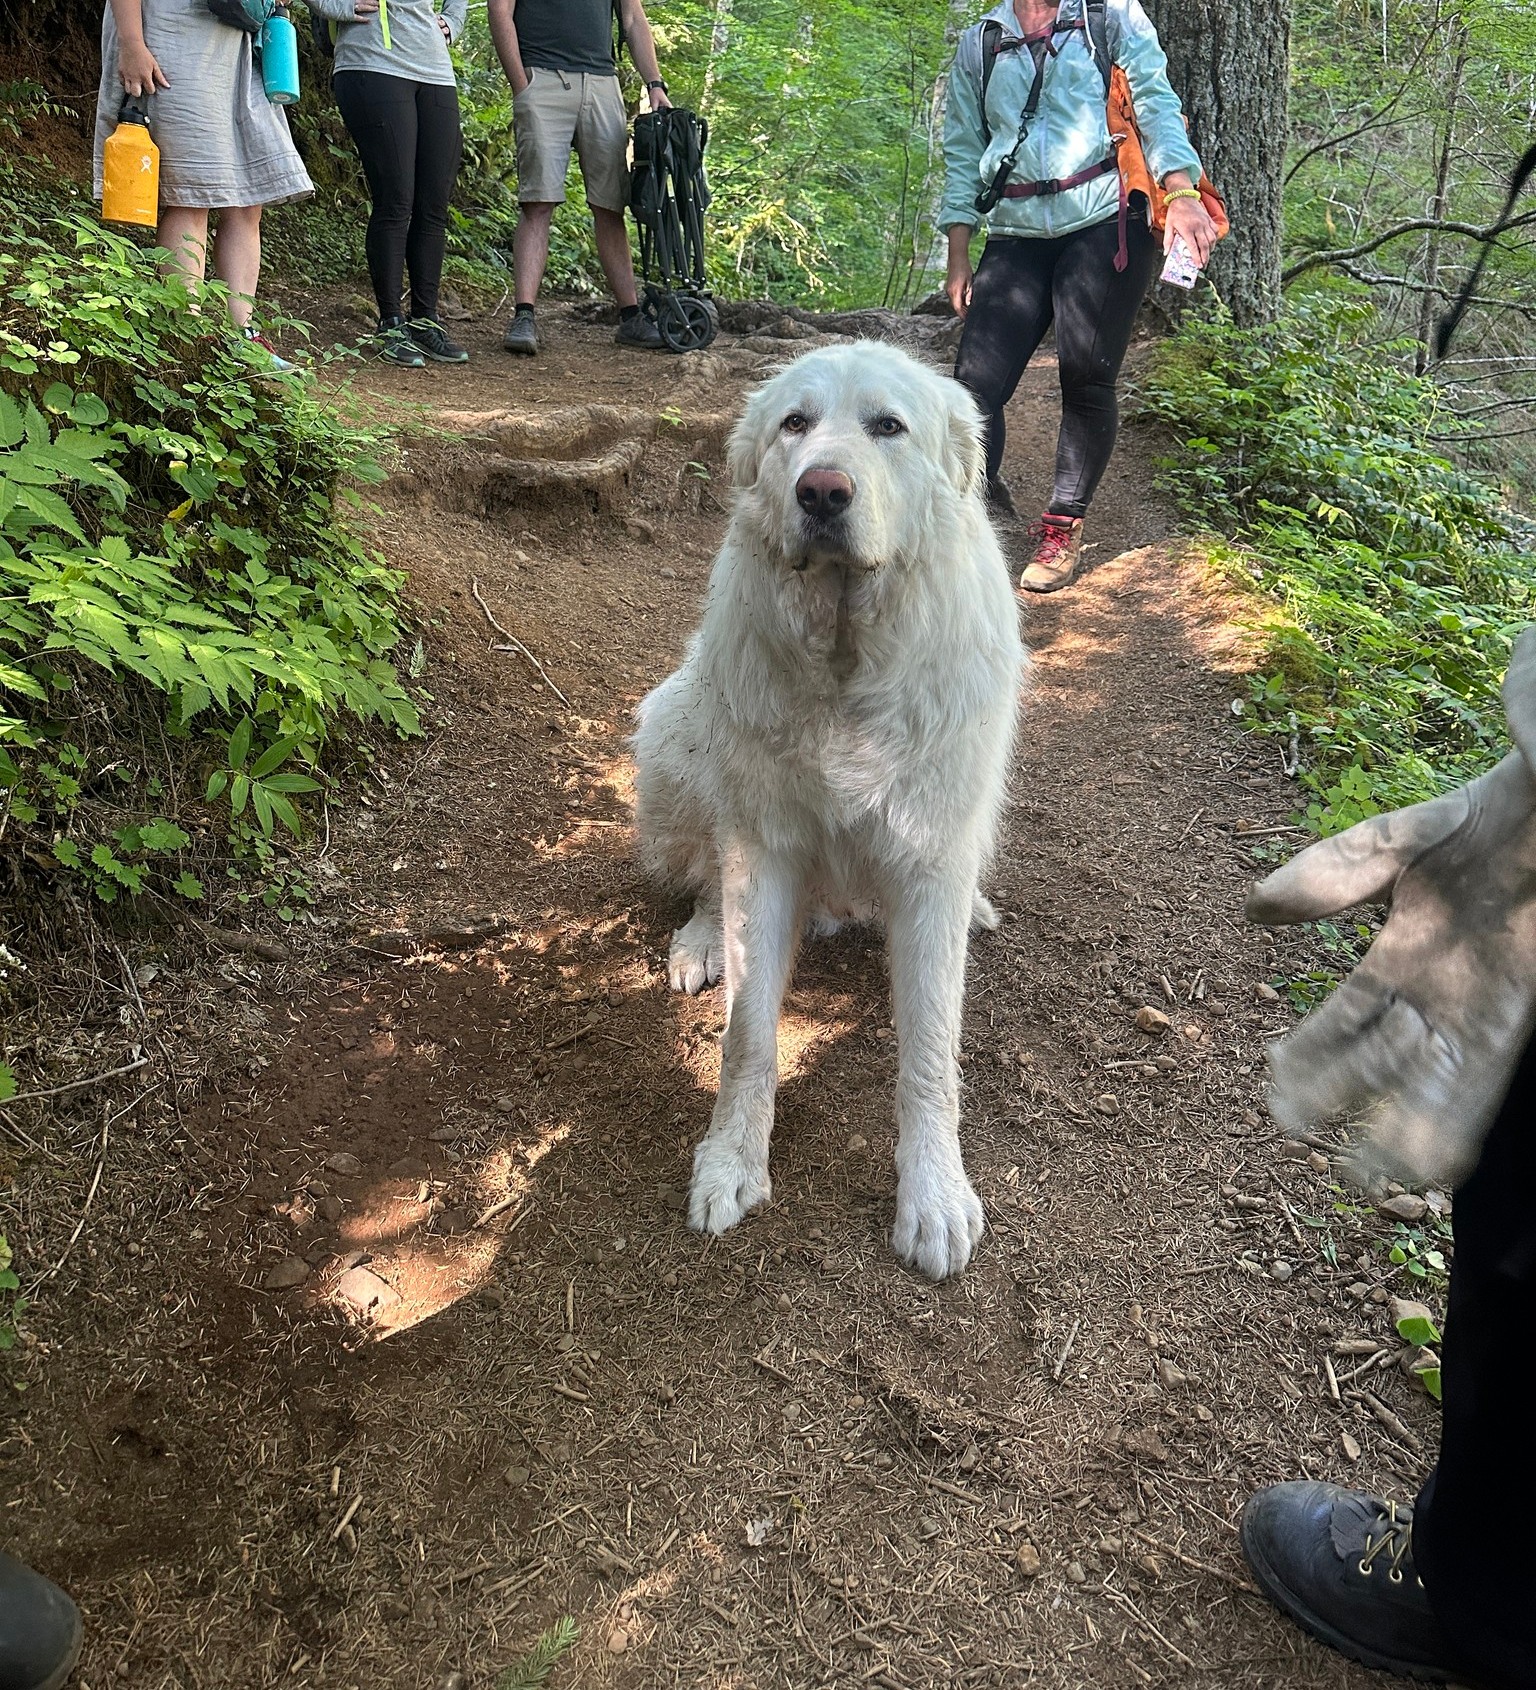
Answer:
(687, 324)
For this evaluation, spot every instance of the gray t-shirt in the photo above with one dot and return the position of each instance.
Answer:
(572, 35)
(416, 47)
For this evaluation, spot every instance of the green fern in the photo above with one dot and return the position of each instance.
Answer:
(541, 1660)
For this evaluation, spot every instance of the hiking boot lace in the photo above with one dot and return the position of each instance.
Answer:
(1398, 1537)
(1050, 540)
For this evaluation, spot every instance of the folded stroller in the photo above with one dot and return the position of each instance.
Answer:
(667, 197)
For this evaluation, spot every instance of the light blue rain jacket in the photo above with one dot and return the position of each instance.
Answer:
(1069, 130)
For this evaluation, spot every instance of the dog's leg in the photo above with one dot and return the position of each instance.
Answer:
(984, 918)
(938, 1216)
(761, 906)
(697, 956)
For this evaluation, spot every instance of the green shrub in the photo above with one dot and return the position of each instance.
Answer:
(186, 622)
(1402, 579)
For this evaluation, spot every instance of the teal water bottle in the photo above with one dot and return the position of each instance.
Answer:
(280, 60)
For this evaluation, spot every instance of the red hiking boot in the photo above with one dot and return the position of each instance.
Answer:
(1058, 554)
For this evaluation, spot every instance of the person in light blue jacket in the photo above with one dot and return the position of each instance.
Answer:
(1039, 164)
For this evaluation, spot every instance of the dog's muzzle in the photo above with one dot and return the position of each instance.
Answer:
(825, 495)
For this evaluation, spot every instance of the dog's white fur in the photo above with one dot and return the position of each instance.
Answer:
(837, 738)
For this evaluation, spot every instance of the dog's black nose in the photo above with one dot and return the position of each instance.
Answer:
(824, 492)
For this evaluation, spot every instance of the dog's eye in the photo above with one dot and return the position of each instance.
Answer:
(890, 427)
(796, 423)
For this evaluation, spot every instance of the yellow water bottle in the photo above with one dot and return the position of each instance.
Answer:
(130, 171)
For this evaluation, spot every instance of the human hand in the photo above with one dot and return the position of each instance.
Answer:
(1430, 1025)
(659, 100)
(364, 9)
(138, 70)
(957, 284)
(442, 24)
(1189, 218)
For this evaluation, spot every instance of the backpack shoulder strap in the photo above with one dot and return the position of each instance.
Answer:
(991, 34)
(1096, 27)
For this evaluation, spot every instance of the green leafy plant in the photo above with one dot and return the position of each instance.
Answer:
(534, 1668)
(1398, 581)
(188, 621)
(1422, 1333)
(1419, 1254)
(12, 1306)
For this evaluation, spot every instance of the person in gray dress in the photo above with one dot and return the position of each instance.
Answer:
(224, 148)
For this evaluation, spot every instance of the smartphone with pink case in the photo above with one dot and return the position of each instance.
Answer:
(1180, 269)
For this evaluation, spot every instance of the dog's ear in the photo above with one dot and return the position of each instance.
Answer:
(744, 450)
(966, 451)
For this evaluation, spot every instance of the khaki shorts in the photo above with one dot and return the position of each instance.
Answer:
(555, 109)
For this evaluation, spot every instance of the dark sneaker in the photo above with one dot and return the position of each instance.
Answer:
(522, 334)
(394, 345)
(1058, 554)
(1340, 1563)
(40, 1629)
(638, 330)
(999, 499)
(431, 338)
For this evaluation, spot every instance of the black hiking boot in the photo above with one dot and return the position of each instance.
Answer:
(430, 337)
(1340, 1563)
(394, 345)
(40, 1630)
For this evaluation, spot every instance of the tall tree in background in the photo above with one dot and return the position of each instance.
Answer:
(1228, 60)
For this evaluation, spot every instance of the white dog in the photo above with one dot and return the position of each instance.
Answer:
(838, 737)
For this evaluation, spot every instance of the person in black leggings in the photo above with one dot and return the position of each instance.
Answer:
(1022, 286)
(1027, 147)
(396, 91)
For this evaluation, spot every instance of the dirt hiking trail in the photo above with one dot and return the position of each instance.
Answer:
(393, 1347)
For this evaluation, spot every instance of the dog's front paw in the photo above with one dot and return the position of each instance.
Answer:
(939, 1220)
(697, 956)
(727, 1184)
(984, 918)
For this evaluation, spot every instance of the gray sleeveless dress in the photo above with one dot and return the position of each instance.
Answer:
(221, 141)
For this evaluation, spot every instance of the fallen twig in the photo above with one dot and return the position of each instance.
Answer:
(515, 644)
(957, 1490)
(1066, 1350)
(1392, 1424)
(248, 944)
(72, 1085)
(1189, 829)
(1142, 1620)
(1195, 1564)
(500, 1209)
(90, 1196)
(346, 1519)
(778, 1372)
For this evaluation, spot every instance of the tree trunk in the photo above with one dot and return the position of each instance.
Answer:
(719, 40)
(1227, 60)
(1430, 302)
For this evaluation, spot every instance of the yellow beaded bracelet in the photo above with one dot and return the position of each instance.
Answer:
(1173, 194)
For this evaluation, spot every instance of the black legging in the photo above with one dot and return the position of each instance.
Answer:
(1467, 1540)
(408, 138)
(1022, 284)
